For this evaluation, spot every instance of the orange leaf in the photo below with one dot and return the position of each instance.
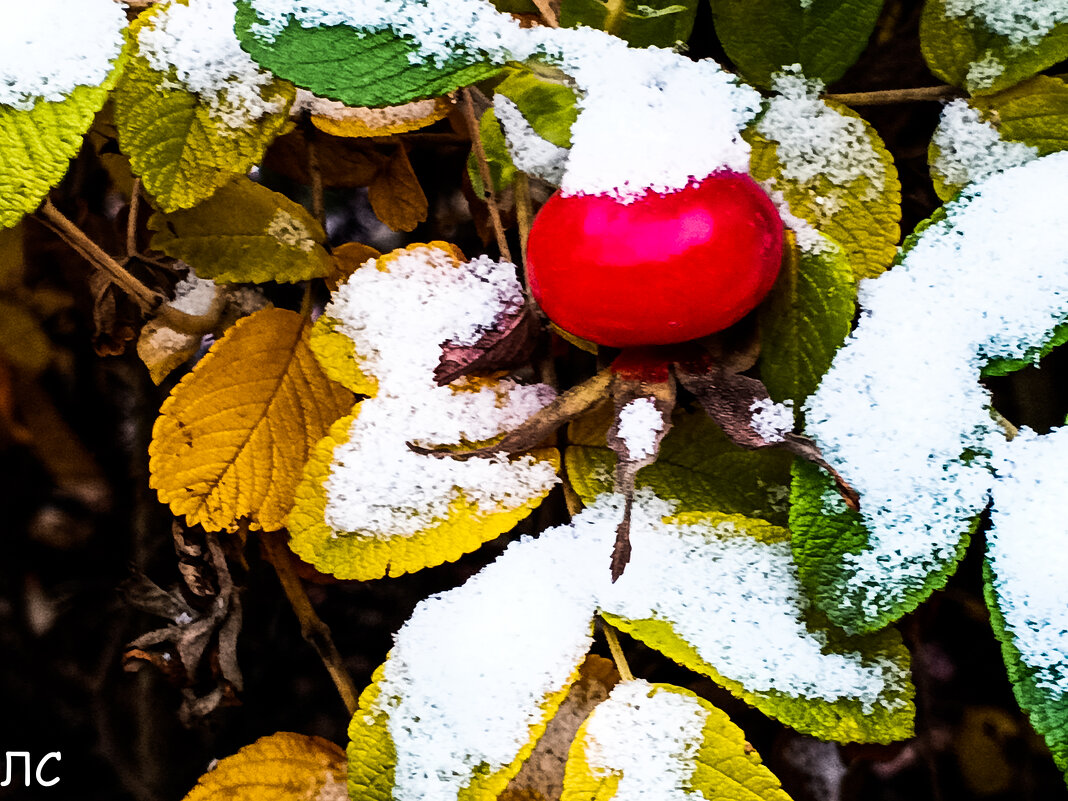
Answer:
(395, 195)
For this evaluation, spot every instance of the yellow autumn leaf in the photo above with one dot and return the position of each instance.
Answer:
(233, 436)
(280, 767)
(396, 197)
(338, 119)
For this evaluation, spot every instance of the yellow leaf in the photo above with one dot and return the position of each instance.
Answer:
(395, 195)
(279, 767)
(349, 121)
(232, 438)
(708, 758)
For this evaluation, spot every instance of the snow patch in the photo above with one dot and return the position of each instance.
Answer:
(530, 152)
(639, 424)
(1022, 22)
(971, 149)
(771, 420)
(51, 47)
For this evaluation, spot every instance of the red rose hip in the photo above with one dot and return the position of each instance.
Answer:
(658, 270)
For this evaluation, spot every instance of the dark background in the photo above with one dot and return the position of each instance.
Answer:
(77, 519)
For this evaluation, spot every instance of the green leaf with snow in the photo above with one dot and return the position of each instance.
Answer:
(1023, 579)
(502, 168)
(834, 172)
(737, 577)
(687, 746)
(372, 757)
(805, 318)
(548, 106)
(356, 67)
(824, 37)
(657, 23)
(826, 538)
(184, 145)
(245, 233)
(698, 467)
(37, 144)
(1034, 112)
(989, 47)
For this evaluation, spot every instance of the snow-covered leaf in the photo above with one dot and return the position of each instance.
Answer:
(832, 169)
(548, 106)
(1035, 112)
(901, 414)
(700, 585)
(335, 57)
(805, 318)
(280, 767)
(687, 749)
(246, 233)
(697, 467)
(1025, 573)
(985, 46)
(192, 110)
(368, 505)
(59, 64)
(824, 37)
(658, 23)
(233, 436)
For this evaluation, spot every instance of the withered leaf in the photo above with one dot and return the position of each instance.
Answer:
(509, 343)
(396, 197)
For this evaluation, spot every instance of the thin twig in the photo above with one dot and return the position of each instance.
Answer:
(315, 171)
(489, 194)
(617, 651)
(547, 13)
(887, 97)
(315, 631)
(523, 210)
(131, 218)
(91, 252)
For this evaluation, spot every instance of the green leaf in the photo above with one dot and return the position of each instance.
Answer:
(37, 144)
(825, 36)
(720, 764)
(246, 233)
(358, 68)
(548, 107)
(657, 23)
(502, 168)
(698, 467)
(1035, 112)
(805, 319)
(372, 755)
(826, 535)
(861, 216)
(722, 585)
(964, 52)
(181, 150)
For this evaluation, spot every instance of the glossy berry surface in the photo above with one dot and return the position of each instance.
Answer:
(658, 270)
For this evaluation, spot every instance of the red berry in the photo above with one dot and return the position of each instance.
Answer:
(660, 269)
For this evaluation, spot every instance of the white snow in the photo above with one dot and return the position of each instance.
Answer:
(809, 240)
(1023, 22)
(530, 152)
(639, 423)
(398, 318)
(50, 47)
(683, 117)
(815, 141)
(651, 736)
(902, 401)
(772, 420)
(195, 295)
(1027, 546)
(971, 149)
(983, 72)
(473, 665)
(198, 43)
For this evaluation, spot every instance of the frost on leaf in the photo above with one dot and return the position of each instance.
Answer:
(233, 436)
(684, 117)
(901, 413)
(966, 149)
(58, 60)
(280, 767)
(337, 119)
(659, 741)
(832, 169)
(1027, 563)
(192, 109)
(368, 504)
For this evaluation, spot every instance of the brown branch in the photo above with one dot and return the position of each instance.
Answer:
(91, 252)
(489, 195)
(523, 211)
(316, 173)
(315, 631)
(617, 651)
(887, 97)
(131, 218)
